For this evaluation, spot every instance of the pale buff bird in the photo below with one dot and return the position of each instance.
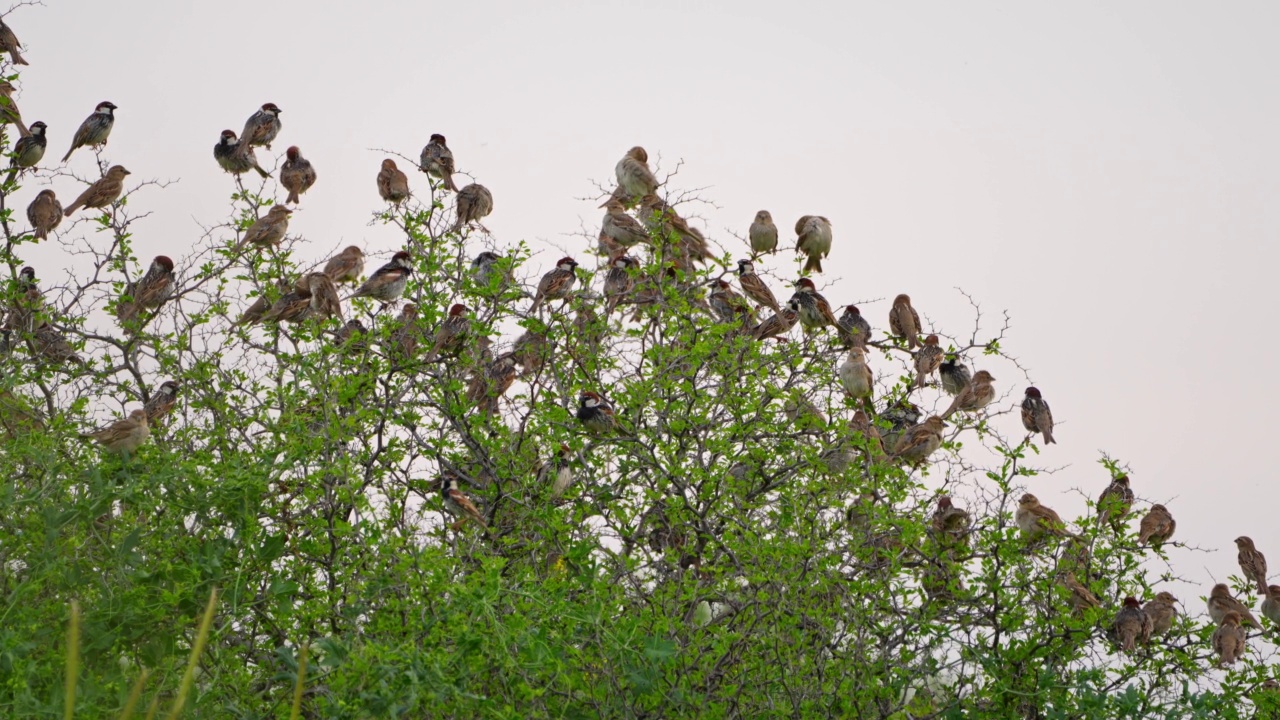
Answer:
(346, 266)
(1221, 602)
(904, 321)
(856, 376)
(1162, 612)
(44, 213)
(1252, 563)
(763, 234)
(125, 435)
(474, 203)
(1157, 526)
(1131, 625)
(635, 179)
(393, 184)
(1082, 598)
(1271, 604)
(324, 296)
(102, 193)
(1036, 520)
(621, 228)
(975, 396)
(927, 359)
(268, 230)
(814, 240)
(296, 175)
(919, 442)
(1229, 639)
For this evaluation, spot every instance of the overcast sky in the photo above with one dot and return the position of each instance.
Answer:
(1105, 171)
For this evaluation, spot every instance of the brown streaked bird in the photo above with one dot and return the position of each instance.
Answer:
(635, 179)
(268, 230)
(236, 157)
(763, 234)
(1271, 604)
(856, 376)
(950, 523)
(161, 402)
(927, 359)
(558, 471)
(661, 218)
(861, 424)
(754, 287)
(28, 151)
(596, 414)
(393, 184)
(1115, 502)
(9, 44)
(123, 436)
(458, 504)
(813, 240)
(436, 161)
(621, 228)
(296, 175)
(1082, 598)
(253, 314)
(556, 284)
(148, 292)
(491, 382)
(293, 306)
(815, 311)
(474, 203)
(619, 281)
(9, 113)
(904, 321)
(854, 329)
(346, 266)
(1036, 520)
(388, 282)
(1252, 563)
(1036, 416)
(324, 296)
(351, 337)
(1221, 602)
(451, 337)
(1157, 526)
(1162, 612)
(52, 346)
(1229, 639)
(1131, 625)
(262, 126)
(531, 350)
(778, 324)
(727, 304)
(95, 130)
(26, 305)
(403, 342)
(102, 193)
(44, 213)
(917, 443)
(954, 375)
(975, 396)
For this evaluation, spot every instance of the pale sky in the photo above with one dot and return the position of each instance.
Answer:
(1102, 170)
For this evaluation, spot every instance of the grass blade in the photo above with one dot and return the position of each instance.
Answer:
(189, 677)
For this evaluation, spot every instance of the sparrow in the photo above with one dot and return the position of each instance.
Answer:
(346, 266)
(1271, 604)
(814, 240)
(596, 414)
(556, 284)
(458, 504)
(102, 193)
(780, 323)
(1130, 625)
(1036, 417)
(763, 234)
(1229, 639)
(861, 423)
(558, 471)
(620, 281)
(351, 337)
(1114, 502)
(293, 306)
(661, 218)
(927, 359)
(815, 311)
(856, 376)
(268, 230)
(1252, 563)
(531, 350)
(635, 179)
(437, 161)
(955, 375)
(853, 328)
(254, 313)
(754, 287)
(492, 273)
(148, 292)
(26, 305)
(393, 185)
(262, 127)
(1157, 526)
(474, 203)
(53, 346)
(620, 227)
(919, 442)
(388, 282)
(975, 396)
(95, 129)
(1036, 520)
(403, 342)
(488, 386)
(44, 213)
(726, 303)
(9, 44)
(9, 113)
(902, 416)
(161, 402)
(324, 296)
(904, 321)
(452, 335)
(1221, 602)
(29, 149)
(235, 157)
(125, 435)
(950, 523)
(1162, 612)
(802, 412)
(296, 175)
(1082, 598)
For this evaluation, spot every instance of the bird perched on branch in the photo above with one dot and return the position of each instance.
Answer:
(393, 184)
(436, 161)
(346, 266)
(236, 157)
(1157, 526)
(620, 280)
(52, 345)
(1221, 602)
(754, 287)
(9, 113)
(490, 382)
(1036, 417)
(919, 442)
(1036, 520)
(954, 375)
(453, 333)
(457, 504)
(779, 323)
(1252, 563)
(474, 203)
(854, 329)
(815, 311)
(1229, 639)
(95, 130)
(324, 296)
(161, 402)
(262, 127)
(268, 230)
(9, 44)
(620, 227)
(28, 150)
(1114, 502)
(148, 292)
(904, 321)
(596, 414)
(44, 213)
(856, 376)
(102, 193)
(950, 523)
(635, 179)
(123, 436)
(296, 175)
(556, 284)
(975, 396)
(388, 282)
(763, 234)
(814, 240)
(1162, 612)
(927, 359)
(1130, 626)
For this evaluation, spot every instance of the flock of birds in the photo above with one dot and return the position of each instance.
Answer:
(899, 437)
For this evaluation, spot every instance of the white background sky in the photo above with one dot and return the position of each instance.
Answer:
(1105, 171)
